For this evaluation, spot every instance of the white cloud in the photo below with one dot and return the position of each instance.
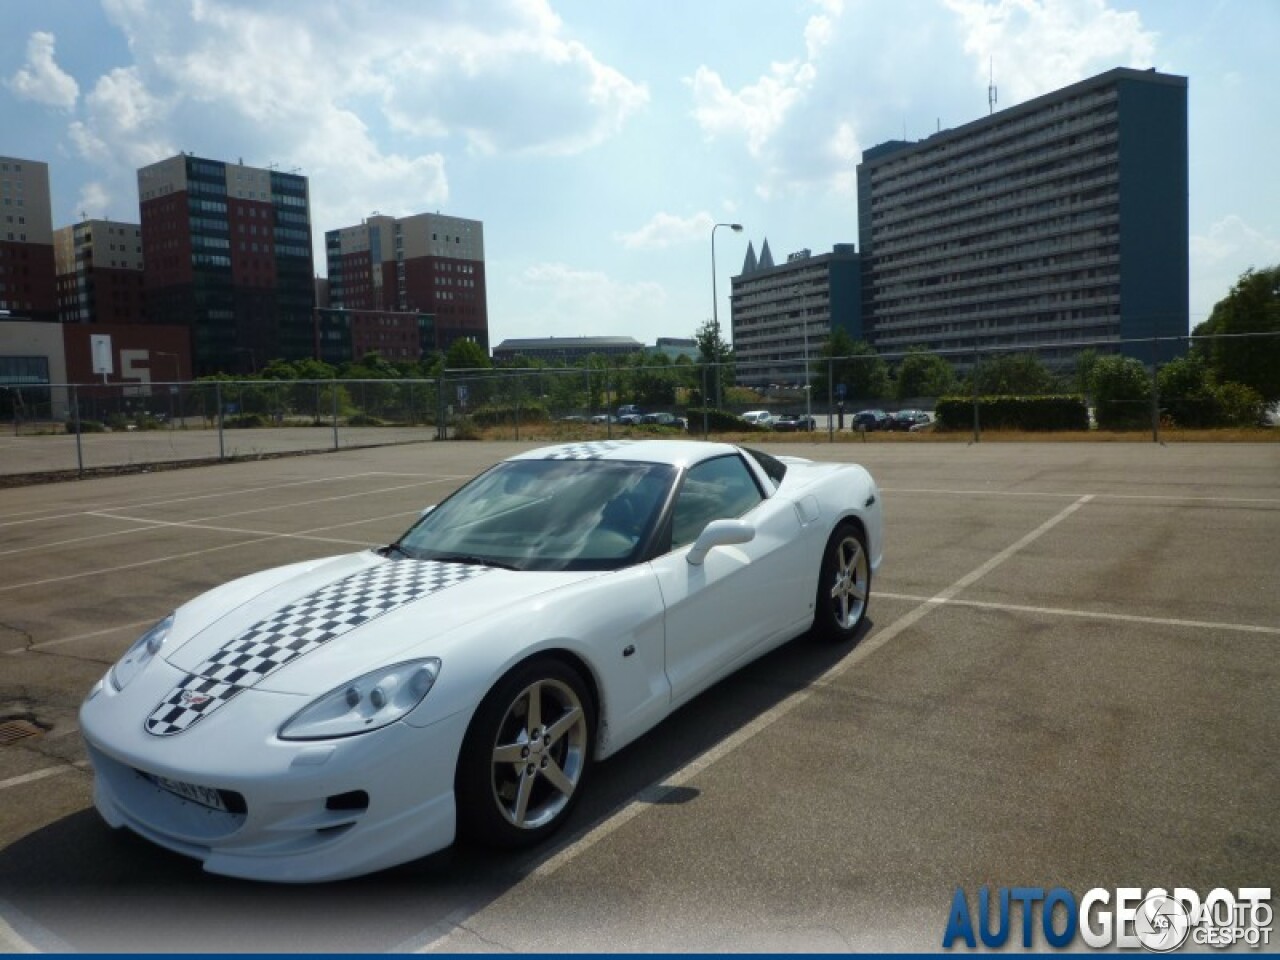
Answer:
(668, 230)
(1040, 45)
(95, 201)
(41, 79)
(1221, 254)
(757, 110)
(562, 301)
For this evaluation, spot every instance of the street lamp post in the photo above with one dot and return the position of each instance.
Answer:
(808, 392)
(715, 312)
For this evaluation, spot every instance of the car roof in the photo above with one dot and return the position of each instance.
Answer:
(676, 453)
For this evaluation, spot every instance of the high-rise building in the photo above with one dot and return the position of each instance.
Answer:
(423, 264)
(227, 253)
(1061, 220)
(783, 314)
(99, 270)
(27, 277)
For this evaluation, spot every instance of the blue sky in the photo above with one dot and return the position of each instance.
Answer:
(600, 141)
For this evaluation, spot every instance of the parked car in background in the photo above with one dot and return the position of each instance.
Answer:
(604, 418)
(665, 420)
(791, 423)
(761, 418)
(905, 420)
(629, 414)
(870, 420)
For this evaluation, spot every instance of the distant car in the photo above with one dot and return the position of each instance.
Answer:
(905, 420)
(761, 418)
(604, 418)
(870, 420)
(791, 423)
(629, 414)
(665, 420)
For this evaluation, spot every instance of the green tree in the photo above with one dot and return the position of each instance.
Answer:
(923, 374)
(1014, 374)
(1252, 306)
(715, 361)
(1121, 390)
(853, 363)
(466, 354)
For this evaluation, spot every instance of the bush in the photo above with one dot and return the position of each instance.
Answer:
(245, 421)
(1035, 414)
(719, 421)
(1122, 393)
(500, 414)
(87, 426)
(365, 420)
(1240, 405)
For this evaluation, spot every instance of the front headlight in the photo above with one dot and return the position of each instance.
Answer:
(366, 703)
(137, 657)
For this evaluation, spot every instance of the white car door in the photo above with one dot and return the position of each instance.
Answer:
(718, 611)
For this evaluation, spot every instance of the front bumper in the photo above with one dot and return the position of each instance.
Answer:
(295, 812)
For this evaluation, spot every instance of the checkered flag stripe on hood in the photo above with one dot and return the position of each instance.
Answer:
(296, 630)
(593, 450)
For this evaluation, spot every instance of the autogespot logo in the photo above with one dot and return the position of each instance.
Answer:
(1128, 918)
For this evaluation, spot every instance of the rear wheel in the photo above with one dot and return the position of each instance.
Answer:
(844, 584)
(525, 755)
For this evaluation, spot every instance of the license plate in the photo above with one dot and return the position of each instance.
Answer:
(205, 796)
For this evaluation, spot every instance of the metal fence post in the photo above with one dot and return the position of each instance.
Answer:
(831, 427)
(973, 379)
(217, 399)
(442, 428)
(517, 407)
(608, 416)
(706, 432)
(333, 407)
(75, 416)
(1155, 390)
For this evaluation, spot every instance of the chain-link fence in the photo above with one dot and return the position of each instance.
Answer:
(88, 427)
(1137, 389)
(1107, 389)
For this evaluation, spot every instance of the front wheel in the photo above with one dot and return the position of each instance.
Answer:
(844, 584)
(525, 755)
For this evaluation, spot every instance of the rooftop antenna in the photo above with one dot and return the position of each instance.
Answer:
(991, 86)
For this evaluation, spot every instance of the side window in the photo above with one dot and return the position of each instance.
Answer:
(714, 490)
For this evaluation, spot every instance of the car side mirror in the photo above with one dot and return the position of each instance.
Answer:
(719, 533)
(426, 510)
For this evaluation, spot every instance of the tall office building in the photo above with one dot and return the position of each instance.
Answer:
(227, 253)
(27, 278)
(99, 269)
(1061, 220)
(784, 313)
(424, 264)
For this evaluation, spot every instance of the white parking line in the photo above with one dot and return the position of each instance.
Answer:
(1161, 497)
(654, 793)
(1090, 614)
(43, 774)
(195, 553)
(139, 504)
(107, 514)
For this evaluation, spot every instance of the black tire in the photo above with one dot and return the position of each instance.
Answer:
(517, 782)
(844, 584)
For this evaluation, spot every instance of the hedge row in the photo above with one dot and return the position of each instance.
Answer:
(718, 421)
(1014, 413)
(498, 414)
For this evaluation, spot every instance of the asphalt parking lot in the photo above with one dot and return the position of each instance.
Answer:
(1069, 679)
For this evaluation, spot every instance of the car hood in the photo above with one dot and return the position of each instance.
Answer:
(327, 623)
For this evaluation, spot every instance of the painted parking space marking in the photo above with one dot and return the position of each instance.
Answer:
(1089, 614)
(654, 794)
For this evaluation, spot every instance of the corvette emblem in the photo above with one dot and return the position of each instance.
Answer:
(192, 699)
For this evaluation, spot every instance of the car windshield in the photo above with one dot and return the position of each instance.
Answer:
(547, 515)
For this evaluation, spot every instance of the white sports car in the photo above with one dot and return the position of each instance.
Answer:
(332, 718)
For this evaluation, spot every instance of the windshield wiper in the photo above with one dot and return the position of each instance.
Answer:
(473, 561)
(391, 548)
